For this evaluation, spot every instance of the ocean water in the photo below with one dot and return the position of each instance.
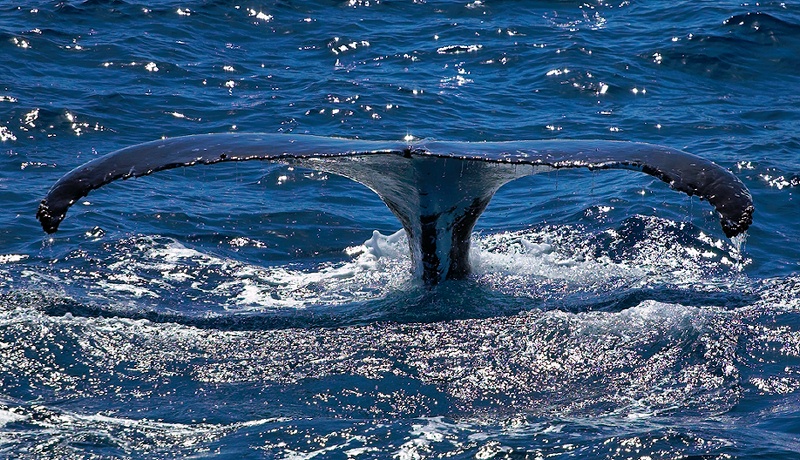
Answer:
(254, 310)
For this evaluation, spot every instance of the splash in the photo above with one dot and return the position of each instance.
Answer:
(548, 264)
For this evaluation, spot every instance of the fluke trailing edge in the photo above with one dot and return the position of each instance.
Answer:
(437, 189)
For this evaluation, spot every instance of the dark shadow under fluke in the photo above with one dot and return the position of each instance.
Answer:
(436, 189)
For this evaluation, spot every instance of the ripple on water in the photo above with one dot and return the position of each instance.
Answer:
(581, 338)
(637, 367)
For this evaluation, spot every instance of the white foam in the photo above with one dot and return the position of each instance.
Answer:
(567, 260)
(646, 316)
(11, 258)
(516, 254)
(377, 267)
(8, 416)
(528, 263)
(158, 267)
(548, 261)
(130, 434)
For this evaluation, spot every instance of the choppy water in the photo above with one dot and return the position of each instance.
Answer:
(256, 311)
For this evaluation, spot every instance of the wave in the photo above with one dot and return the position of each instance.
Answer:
(652, 358)
(742, 48)
(763, 28)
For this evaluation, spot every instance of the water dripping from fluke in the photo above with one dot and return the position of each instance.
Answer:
(437, 189)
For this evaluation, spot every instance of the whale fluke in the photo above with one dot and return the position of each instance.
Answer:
(436, 189)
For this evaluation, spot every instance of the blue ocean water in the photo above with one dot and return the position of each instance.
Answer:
(258, 311)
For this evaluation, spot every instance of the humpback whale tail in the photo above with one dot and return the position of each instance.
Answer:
(436, 189)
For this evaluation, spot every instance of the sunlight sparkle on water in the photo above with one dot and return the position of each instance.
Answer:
(6, 134)
(259, 15)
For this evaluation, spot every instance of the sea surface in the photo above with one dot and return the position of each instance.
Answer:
(253, 310)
